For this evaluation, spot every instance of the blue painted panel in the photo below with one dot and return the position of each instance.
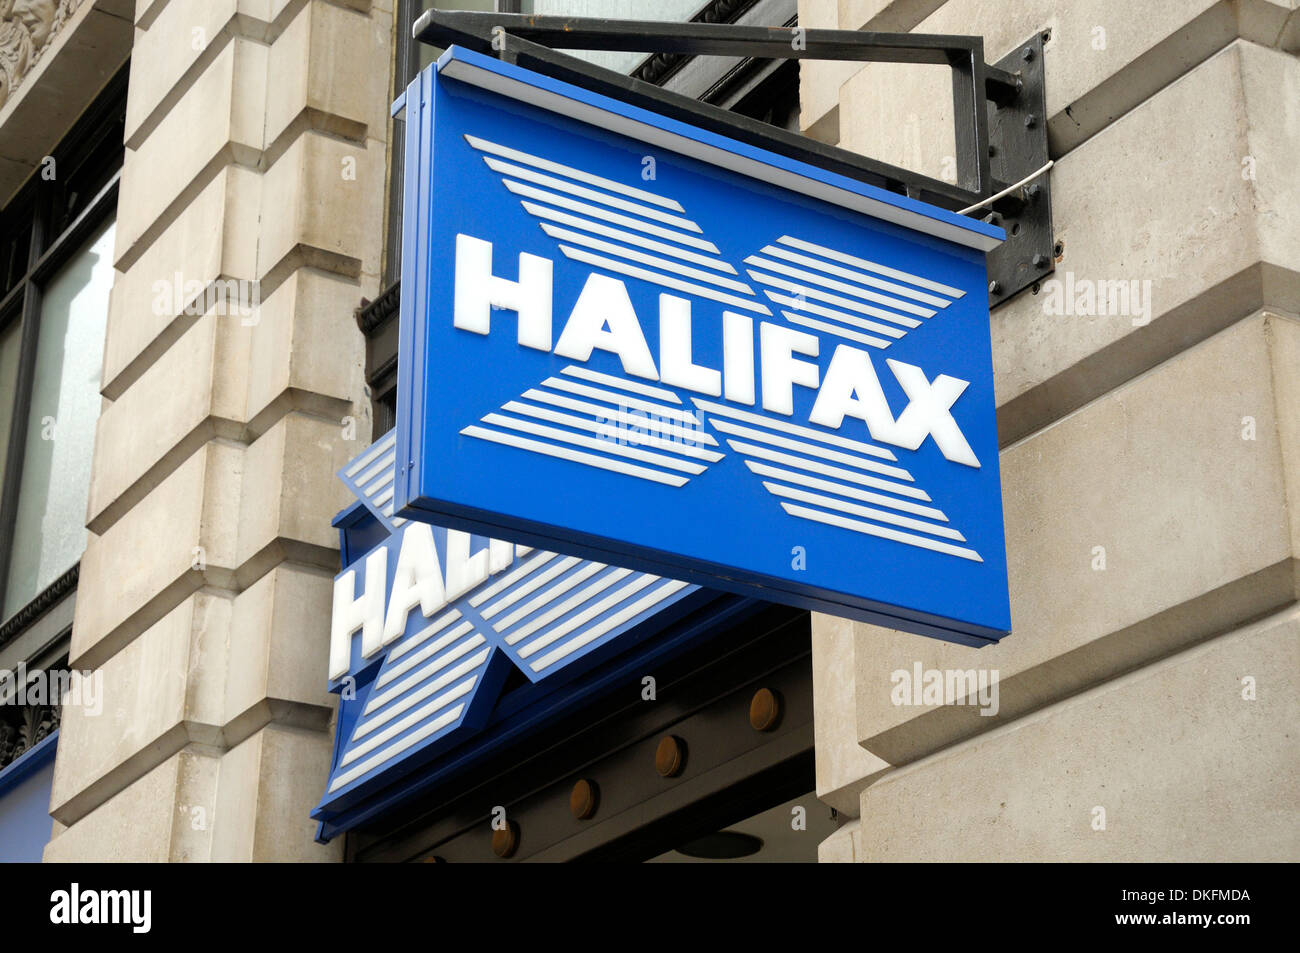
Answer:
(862, 480)
(25, 787)
(437, 681)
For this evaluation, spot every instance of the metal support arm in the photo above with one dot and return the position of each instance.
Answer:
(1000, 132)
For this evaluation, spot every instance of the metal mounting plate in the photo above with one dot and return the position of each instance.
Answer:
(1018, 137)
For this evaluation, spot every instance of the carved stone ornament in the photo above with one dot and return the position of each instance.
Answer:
(26, 29)
(23, 727)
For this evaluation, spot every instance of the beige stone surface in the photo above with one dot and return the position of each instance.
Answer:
(256, 152)
(290, 494)
(1195, 523)
(1161, 198)
(161, 692)
(191, 394)
(323, 206)
(164, 816)
(279, 646)
(232, 374)
(1101, 60)
(268, 785)
(1184, 767)
(147, 562)
(313, 78)
(183, 35)
(239, 509)
(147, 10)
(842, 846)
(843, 766)
(306, 352)
(204, 117)
(211, 672)
(1284, 348)
(206, 242)
(219, 119)
(821, 81)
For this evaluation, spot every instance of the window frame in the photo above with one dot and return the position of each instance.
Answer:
(58, 216)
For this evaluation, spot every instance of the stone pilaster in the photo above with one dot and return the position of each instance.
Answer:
(250, 225)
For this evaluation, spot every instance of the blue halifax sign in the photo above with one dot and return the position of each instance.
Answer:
(429, 623)
(633, 341)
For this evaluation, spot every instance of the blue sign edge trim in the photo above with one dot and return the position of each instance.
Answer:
(982, 237)
(663, 564)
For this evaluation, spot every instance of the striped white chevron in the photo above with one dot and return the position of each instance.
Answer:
(611, 423)
(826, 478)
(836, 293)
(553, 607)
(422, 689)
(619, 228)
(543, 611)
(369, 476)
(607, 422)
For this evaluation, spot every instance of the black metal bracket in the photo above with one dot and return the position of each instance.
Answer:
(1018, 144)
(1000, 131)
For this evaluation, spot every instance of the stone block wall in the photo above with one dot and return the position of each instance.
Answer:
(250, 225)
(1147, 696)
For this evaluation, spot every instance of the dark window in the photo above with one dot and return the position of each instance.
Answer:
(56, 271)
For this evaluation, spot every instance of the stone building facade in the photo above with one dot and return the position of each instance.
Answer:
(1147, 698)
(1148, 464)
(255, 145)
